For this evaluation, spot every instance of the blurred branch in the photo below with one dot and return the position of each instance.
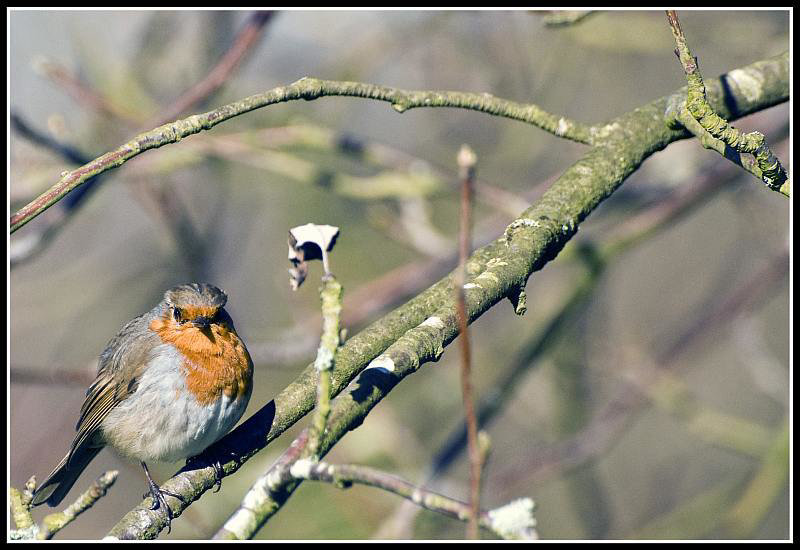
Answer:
(764, 488)
(565, 18)
(25, 248)
(164, 199)
(695, 518)
(59, 376)
(415, 227)
(711, 510)
(670, 394)
(65, 151)
(374, 361)
(379, 154)
(82, 93)
(242, 45)
(731, 305)
(259, 149)
(714, 131)
(607, 424)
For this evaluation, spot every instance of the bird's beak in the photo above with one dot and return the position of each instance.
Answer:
(202, 322)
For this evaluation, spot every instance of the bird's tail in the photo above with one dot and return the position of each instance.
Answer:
(63, 477)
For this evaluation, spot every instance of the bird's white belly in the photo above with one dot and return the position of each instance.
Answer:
(162, 420)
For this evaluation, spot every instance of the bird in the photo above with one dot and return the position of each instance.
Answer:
(172, 382)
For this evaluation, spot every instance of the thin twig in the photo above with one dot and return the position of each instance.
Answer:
(344, 475)
(308, 89)
(466, 166)
(53, 523)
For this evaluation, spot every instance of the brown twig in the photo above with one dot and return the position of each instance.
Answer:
(466, 166)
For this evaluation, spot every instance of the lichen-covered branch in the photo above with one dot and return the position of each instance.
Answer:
(53, 523)
(20, 504)
(715, 128)
(411, 335)
(331, 295)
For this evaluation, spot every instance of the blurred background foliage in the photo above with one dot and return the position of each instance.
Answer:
(604, 447)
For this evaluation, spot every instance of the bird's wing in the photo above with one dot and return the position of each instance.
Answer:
(120, 368)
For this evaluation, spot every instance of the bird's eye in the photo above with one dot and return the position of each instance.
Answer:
(177, 314)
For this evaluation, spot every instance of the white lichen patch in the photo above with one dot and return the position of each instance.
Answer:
(489, 276)
(383, 363)
(495, 262)
(562, 127)
(301, 469)
(750, 84)
(324, 360)
(513, 519)
(524, 222)
(434, 322)
(605, 130)
(267, 484)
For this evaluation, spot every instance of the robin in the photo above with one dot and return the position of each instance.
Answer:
(169, 384)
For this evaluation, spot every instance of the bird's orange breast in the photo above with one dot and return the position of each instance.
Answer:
(216, 360)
